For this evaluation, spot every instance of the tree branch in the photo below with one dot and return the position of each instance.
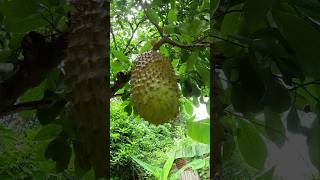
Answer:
(167, 40)
(26, 106)
(113, 38)
(120, 81)
(132, 35)
(224, 13)
(40, 57)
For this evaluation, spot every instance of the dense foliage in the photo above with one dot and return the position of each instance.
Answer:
(130, 136)
(267, 66)
(265, 74)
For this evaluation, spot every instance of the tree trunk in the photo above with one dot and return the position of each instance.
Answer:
(86, 86)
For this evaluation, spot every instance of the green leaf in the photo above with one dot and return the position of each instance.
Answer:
(242, 101)
(146, 47)
(192, 150)
(172, 16)
(314, 143)
(167, 167)
(33, 94)
(187, 88)
(163, 50)
(153, 16)
(232, 22)
(192, 59)
(274, 127)
(182, 69)
(204, 72)
(152, 169)
(188, 107)
(268, 175)
(214, 5)
(89, 175)
(128, 109)
(228, 147)
(251, 145)
(303, 38)
(25, 24)
(16, 39)
(199, 130)
(277, 97)
(169, 29)
(250, 79)
(4, 55)
(120, 55)
(59, 150)
(194, 27)
(293, 121)
(255, 12)
(48, 114)
(48, 132)
(175, 62)
(19, 8)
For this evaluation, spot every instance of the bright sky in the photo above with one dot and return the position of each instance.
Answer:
(201, 111)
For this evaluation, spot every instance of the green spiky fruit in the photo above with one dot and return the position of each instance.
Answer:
(154, 88)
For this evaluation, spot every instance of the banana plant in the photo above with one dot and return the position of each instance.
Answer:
(164, 172)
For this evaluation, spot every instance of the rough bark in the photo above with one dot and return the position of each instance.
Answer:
(86, 71)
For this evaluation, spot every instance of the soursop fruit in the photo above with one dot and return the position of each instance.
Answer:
(154, 88)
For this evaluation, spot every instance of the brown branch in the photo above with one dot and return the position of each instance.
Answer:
(225, 13)
(167, 40)
(26, 106)
(39, 59)
(121, 80)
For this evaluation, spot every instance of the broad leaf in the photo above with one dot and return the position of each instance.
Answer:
(152, 14)
(188, 107)
(25, 24)
(172, 16)
(59, 150)
(48, 132)
(268, 175)
(293, 121)
(255, 12)
(192, 150)
(252, 147)
(314, 143)
(120, 55)
(274, 127)
(154, 170)
(19, 8)
(199, 130)
(167, 167)
(303, 38)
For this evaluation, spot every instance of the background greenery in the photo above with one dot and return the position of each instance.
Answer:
(266, 63)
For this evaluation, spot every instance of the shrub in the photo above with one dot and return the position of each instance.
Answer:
(133, 136)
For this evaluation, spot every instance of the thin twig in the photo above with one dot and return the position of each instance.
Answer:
(229, 41)
(113, 38)
(165, 38)
(226, 12)
(133, 30)
(256, 123)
